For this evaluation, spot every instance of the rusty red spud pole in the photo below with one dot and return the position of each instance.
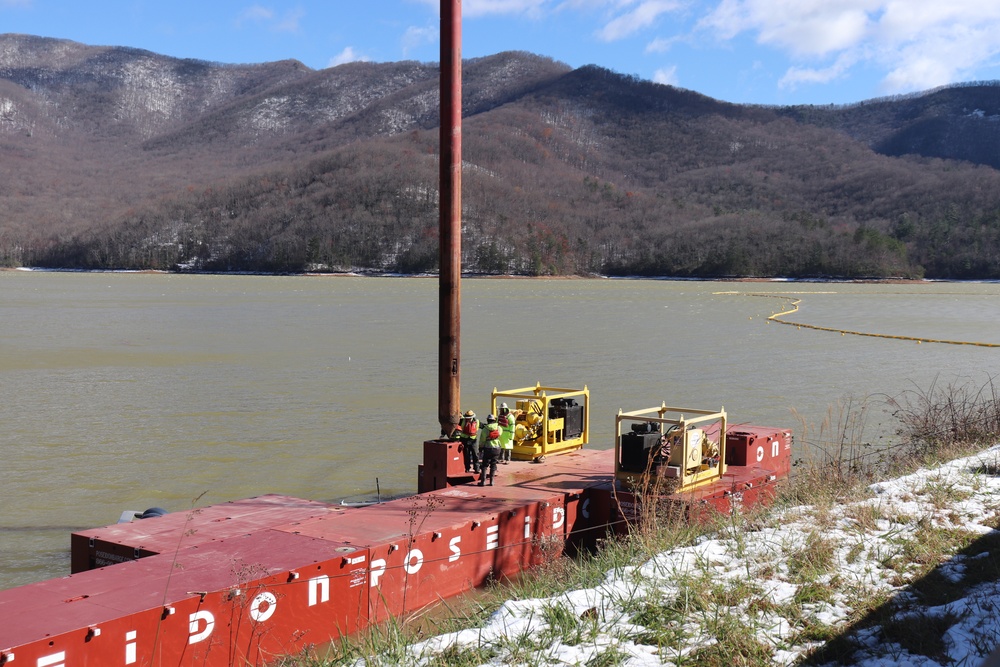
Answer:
(450, 211)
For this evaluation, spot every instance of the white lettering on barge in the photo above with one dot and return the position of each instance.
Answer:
(54, 660)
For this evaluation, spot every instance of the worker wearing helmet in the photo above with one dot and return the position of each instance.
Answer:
(507, 423)
(467, 433)
(489, 445)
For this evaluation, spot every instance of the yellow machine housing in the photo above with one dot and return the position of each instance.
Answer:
(697, 447)
(548, 420)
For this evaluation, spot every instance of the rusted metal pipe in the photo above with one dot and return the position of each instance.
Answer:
(450, 211)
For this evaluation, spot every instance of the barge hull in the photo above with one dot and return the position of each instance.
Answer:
(249, 581)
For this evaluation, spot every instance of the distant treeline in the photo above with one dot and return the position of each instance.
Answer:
(278, 168)
(374, 207)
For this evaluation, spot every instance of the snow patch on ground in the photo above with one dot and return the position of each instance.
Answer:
(865, 539)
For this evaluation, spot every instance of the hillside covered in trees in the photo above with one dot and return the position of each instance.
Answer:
(116, 158)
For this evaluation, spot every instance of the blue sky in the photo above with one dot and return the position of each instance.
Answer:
(746, 51)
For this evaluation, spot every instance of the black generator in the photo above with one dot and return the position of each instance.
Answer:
(639, 445)
(571, 413)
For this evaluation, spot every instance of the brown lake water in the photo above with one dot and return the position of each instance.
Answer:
(128, 391)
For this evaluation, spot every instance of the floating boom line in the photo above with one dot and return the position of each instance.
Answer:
(843, 332)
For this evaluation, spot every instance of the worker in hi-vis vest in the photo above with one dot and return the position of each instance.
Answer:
(467, 433)
(489, 447)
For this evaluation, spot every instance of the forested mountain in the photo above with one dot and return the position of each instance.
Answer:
(121, 158)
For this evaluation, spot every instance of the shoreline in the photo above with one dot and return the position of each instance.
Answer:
(483, 276)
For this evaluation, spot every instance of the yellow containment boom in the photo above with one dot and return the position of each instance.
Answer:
(682, 448)
(548, 420)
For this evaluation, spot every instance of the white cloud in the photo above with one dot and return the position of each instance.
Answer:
(803, 27)
(940, 57)
(635, 19)
(796, 75)
(621, 18)
(474, 8)
(288, 22)
(935, 45)
(415, 37)
(918, 73)
(659, 45)
(256, 14)
(348, 55)
(906, 21)
(919, 43)
(591, 4)
(666, 76)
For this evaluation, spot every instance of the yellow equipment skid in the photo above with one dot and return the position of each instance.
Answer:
(683, 445)
(548, 420)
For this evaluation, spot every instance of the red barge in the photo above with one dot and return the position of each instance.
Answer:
(246, 582)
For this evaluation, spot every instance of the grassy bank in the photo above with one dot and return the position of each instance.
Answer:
(842, 554)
